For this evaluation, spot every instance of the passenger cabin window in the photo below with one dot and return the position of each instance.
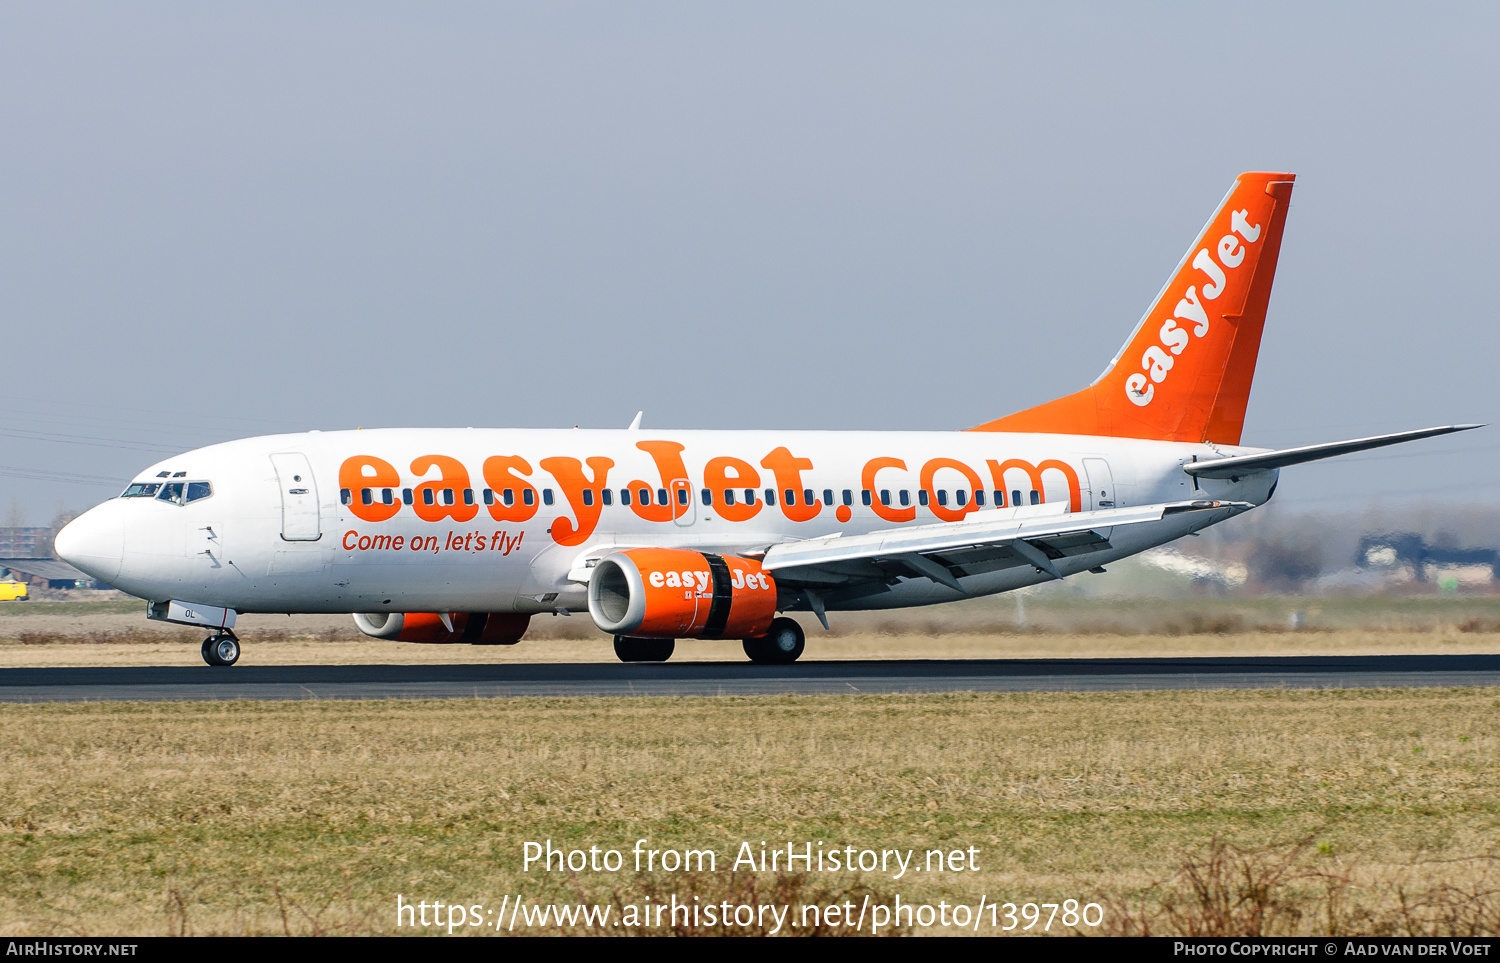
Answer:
(978, 498)
(489, 496)
(588, 497)
(608, 495)
(683, 497)
(905, 497)
(921, 496)
(770, 496)
(729, 496)
(468, 496)
(885, 496)
(828, 496)
(865, 499)
(643, 496)
(366, 497)
(807, 497)
(346, 497)
(849, 497)
(942, 497)
(708, 497)
(661, 496)
(406, 498)
(962, 497)
(142, 490)
(1036, 497)
(546, 496)
(790, 496)
(749, 496)
(387, 497)
(508, 496)
(1015, 498)
(528, 496)
(428, 498)
(624, 496)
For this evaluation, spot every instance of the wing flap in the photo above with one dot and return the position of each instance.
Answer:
(1034, 535)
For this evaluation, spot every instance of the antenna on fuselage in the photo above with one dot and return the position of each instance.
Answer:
(635, 423)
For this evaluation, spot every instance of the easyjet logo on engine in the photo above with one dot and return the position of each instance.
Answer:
(703, 581)
(1158, 359)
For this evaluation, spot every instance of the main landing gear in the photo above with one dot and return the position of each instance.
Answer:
(781, 645)
(221, 649)
(643, 650)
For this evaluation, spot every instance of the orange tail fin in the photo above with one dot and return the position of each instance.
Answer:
(1185, 372)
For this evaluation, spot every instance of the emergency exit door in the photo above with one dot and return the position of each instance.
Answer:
(1101, 484)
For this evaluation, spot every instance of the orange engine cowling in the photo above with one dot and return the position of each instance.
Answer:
(670, 593)
(477, 628)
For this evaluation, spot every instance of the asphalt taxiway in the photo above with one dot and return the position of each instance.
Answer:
(158, 683)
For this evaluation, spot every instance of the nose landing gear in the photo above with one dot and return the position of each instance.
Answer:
(221, 649)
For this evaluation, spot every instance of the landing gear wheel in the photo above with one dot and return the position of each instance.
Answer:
(221, 650)
(781, 645)
(643, 650)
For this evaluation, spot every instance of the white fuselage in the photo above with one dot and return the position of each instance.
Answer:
(293, 532)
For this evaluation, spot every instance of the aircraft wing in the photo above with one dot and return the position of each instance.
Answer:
(1035, 535)
(1239, 465)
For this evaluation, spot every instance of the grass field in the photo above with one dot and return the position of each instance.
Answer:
(1220, 811)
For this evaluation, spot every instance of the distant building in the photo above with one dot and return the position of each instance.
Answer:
(25, 542)
(1404, 550)
(54, 572)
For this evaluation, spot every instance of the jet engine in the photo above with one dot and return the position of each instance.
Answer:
(669, 593)
(477, 628)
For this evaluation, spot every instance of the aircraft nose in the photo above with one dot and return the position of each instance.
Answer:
(94, 543)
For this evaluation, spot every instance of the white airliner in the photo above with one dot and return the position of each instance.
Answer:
(461, 535)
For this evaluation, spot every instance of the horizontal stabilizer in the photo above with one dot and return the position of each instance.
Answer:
(1264, 461)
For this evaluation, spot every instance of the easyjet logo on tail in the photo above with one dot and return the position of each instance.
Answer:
(1185, 371)
(1158, 359)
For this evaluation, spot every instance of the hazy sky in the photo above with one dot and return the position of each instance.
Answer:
(219, 220)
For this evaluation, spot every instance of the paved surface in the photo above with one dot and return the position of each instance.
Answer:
(717, 678)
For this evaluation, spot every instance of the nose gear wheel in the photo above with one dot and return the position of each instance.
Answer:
(222, 649)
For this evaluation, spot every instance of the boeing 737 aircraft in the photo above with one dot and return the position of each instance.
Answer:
(462, 535)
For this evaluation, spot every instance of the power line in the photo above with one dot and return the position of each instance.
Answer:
(38, 474)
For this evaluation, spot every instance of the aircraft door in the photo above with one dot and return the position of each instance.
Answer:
(1101, 485)
(683, 509)
(299, 497)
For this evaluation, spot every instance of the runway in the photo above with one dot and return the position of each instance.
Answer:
(149, 683)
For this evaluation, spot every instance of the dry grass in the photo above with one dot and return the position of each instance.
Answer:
(115, 633)
(311, 816)
(1225, 890)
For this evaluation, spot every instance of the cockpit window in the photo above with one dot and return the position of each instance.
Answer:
(180, 493)
(141, 490)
